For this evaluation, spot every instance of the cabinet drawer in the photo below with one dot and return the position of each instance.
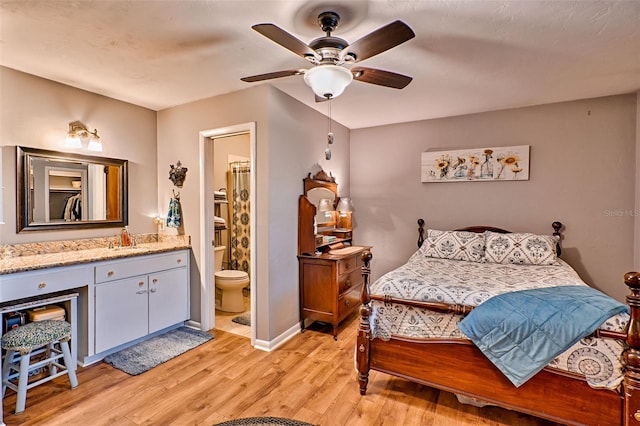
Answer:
(348, 302)
(349, 280)
(139, 266)
(29, 284)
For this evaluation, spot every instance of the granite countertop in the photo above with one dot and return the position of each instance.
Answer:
(67, 258)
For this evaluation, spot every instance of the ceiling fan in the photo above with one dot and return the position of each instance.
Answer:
(329, 75)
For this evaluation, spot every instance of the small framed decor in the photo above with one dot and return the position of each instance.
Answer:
(476, 164)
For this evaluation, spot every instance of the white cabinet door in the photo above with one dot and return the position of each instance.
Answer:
(168, 298)
(121, 312)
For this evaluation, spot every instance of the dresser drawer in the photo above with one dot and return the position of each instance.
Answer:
(30, 284)
(349, 263)
(132, 267)
(349, 280)
(349, 302)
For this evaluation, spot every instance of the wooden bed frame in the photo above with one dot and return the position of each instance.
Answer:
(458, 366)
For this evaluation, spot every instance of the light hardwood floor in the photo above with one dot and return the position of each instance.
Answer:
(224, 320)
(311, 377)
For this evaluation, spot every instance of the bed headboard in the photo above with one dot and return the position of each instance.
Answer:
(481, 228)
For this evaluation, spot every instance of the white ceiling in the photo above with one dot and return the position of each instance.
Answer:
(467, 56)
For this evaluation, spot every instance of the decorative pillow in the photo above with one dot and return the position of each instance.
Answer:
(459, 245)
(522, 249)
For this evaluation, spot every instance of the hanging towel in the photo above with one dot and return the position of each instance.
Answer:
(174, 216)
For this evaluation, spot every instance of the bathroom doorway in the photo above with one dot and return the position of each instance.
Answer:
(232, 233)
(228, 296)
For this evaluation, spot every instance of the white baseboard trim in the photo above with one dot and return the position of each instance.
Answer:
(194, 324)
(269, 345)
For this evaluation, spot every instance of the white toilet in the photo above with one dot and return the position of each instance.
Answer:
(230, 284)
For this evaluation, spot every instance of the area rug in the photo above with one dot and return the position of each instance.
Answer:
(264, 421)
(244, 319)
(145, 355)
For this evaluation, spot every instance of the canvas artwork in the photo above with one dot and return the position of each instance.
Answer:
(476, 164)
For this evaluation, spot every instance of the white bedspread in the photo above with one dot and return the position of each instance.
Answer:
(471, 283)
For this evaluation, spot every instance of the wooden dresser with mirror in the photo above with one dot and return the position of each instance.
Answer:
(330, 275)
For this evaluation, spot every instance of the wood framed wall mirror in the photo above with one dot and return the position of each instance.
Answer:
(59, 190)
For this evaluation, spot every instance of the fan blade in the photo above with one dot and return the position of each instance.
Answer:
(381, 77)
(379, 40)
(284, 39)
(270, 75)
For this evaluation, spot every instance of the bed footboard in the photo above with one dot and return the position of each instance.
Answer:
(631, 384)
(629, 402)
(363, 345)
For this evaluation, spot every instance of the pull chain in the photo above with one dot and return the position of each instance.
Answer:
(327, 152)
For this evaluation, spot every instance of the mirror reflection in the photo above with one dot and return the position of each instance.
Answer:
(323, 199)
(63, 190)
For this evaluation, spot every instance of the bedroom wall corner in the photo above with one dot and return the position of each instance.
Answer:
(290, 140)
(297, 139)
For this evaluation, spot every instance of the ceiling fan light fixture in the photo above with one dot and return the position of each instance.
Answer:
(328, 81)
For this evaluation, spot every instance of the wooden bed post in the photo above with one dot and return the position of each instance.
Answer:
(556, 233)
(363, 344)
(420, 232)
(632, 355)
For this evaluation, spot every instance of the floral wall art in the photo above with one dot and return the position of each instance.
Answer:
(476, 164)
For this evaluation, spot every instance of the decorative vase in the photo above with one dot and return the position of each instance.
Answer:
(486, 169)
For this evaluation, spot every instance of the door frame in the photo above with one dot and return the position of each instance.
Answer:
(207, 285)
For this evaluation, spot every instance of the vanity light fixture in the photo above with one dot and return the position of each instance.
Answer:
(77, 132)
(345, 205)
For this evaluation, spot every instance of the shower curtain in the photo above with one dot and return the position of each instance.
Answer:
(239, 212)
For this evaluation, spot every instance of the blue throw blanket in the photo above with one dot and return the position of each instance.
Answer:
(523, 331)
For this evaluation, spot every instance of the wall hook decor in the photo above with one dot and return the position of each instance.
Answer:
(177, 174)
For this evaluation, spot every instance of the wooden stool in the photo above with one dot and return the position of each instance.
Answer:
(40, 336)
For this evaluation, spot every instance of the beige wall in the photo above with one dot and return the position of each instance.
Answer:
(35, 112)
(636, 257)
(290, 140)
(582, 174)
